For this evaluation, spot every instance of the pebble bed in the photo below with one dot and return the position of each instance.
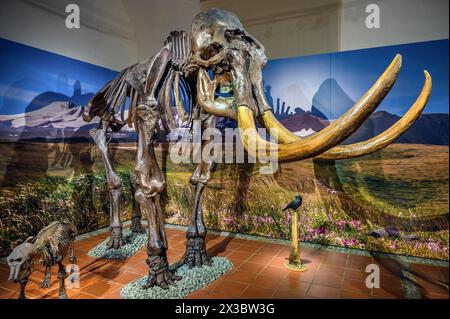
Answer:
(192, 280)
(133, 242)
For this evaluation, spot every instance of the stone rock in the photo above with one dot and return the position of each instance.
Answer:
(389, 231)
(379, 233)
(411, 237)
(392, 231)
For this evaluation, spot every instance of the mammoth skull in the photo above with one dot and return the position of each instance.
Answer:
(221, 44)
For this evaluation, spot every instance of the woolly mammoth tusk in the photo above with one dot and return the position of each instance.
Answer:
(388, 136)
(365, 147)
(330, 136)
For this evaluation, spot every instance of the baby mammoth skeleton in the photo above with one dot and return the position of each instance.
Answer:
(51, 245)
(177, 78)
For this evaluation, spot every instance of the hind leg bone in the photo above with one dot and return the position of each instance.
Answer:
(114, 185)
(61, 278)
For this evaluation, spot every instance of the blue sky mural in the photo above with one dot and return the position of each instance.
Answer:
(332, 82)
(27, 72)
(327, 85)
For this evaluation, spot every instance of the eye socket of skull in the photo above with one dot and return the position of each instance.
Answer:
(239, 35)
(232, 34)
(240, 57)
(211, 50)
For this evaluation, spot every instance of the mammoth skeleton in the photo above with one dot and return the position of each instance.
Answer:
(218, 44)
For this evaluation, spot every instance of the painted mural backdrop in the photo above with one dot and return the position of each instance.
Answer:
(395, 200)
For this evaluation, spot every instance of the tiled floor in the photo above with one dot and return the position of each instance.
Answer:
(258, 272)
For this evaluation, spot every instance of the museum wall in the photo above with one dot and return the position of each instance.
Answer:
(288, 27)
(122, 32)
(153, 20)
(293, 28)
(105, 38)
(401, 21)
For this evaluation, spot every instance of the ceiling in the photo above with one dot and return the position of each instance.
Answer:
(147, 22)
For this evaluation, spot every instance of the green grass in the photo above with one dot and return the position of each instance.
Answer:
(81, 199)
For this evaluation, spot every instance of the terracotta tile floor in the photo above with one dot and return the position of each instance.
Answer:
(258, 272)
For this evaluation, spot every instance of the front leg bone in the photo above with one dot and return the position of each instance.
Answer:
(47, 277)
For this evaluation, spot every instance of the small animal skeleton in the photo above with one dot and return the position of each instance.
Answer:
(50, 245)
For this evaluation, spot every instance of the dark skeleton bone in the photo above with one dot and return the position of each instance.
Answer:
(51, 245)
(114, 185)
(219, 44)
(148, 88)
(196, 233)
(136, 84)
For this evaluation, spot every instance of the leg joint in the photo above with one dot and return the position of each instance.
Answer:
(196, 180)
(148, 108)
(114, 183)
(144, 194)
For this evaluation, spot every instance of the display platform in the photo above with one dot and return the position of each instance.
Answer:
(192, 280)
(133, 243)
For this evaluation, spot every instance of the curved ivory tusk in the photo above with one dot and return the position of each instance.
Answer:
(330, 136)
(374, 144)
(388, 136)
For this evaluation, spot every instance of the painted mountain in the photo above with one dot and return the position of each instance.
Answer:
(42, 94)
(429, 128)
(57, 117)
(53, 117)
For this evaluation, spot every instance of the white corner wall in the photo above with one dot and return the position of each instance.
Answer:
(288, 28)
(113, 33)
(153, 20)
(302, 27)
(105, 37)
(401, 21)
(117, 33)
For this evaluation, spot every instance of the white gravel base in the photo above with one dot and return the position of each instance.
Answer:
(193, 279)
(133, 242)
